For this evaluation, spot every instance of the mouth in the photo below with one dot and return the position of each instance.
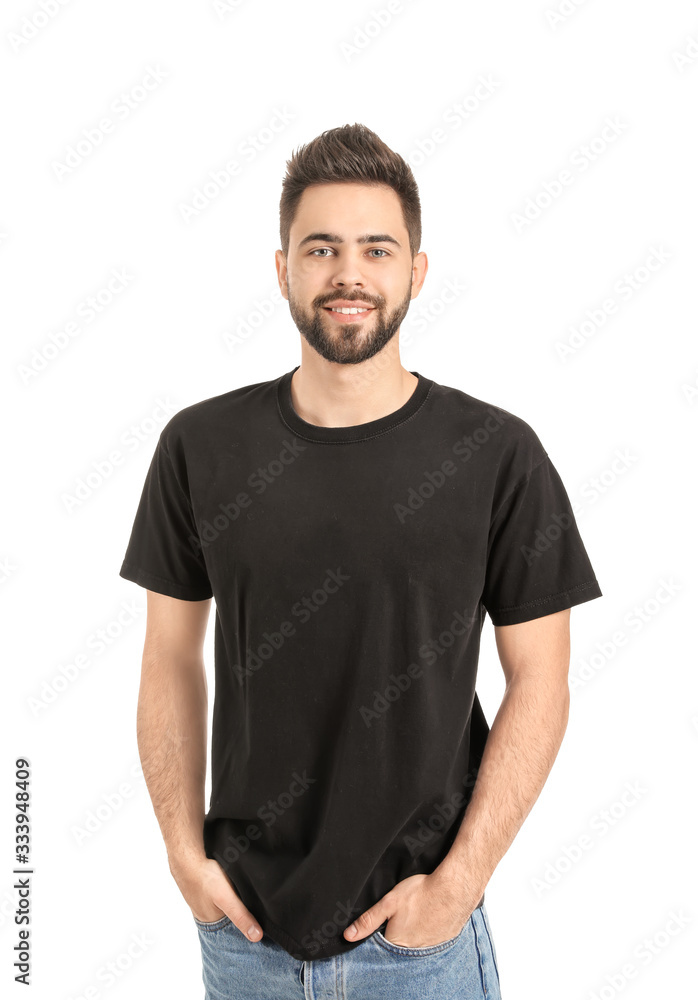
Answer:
(355, 315)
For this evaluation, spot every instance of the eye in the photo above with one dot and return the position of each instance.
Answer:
(325, 250)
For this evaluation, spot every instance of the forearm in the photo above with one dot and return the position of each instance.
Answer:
(172, 730)
(520, 751)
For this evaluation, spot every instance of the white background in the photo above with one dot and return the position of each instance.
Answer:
(562, 928)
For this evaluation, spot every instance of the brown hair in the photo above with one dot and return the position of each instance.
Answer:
(350, 153)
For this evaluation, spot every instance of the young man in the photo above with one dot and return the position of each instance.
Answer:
(354, 522)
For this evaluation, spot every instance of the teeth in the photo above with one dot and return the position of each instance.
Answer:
(349, 311)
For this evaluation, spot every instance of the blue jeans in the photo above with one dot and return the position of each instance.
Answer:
(462, 968)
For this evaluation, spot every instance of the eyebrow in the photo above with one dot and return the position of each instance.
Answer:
(335, 238)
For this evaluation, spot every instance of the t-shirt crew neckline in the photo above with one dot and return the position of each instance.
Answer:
(355, 432)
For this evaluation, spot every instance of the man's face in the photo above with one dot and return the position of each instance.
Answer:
(348, 246)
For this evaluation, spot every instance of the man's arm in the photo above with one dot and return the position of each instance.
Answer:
(520, 751)
(172, 722)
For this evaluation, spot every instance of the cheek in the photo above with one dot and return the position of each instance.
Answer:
(307, 270)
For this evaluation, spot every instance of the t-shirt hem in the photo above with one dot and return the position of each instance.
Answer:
(144, 578)
(296, 950)
(546, 605)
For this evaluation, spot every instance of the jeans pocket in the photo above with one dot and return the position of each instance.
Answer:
(213, 925)
(431, 949)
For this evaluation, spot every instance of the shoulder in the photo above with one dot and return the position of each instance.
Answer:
(484, 430)
(216, 416)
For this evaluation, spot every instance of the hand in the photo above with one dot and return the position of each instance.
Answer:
(423, 910)
(210, 896)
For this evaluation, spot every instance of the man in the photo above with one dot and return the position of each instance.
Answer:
(355, 522)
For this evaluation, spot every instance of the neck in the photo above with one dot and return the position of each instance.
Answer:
(328, 394)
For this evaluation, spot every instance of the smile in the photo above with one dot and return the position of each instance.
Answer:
(343, 315)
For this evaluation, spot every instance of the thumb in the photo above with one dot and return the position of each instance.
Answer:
(242, 918)
(369, 921)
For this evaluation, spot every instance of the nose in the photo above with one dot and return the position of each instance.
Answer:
(348, 272)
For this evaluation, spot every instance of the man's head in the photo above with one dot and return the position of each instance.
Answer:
(350, 221)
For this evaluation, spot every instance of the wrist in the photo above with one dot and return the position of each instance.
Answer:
(185, 860)
(459, 882)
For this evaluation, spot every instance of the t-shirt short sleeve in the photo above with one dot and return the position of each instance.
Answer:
(536, 560)
(164, 550)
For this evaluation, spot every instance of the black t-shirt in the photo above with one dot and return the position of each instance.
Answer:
(352, 569)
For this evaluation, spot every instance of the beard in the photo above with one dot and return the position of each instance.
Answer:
(348, 343)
